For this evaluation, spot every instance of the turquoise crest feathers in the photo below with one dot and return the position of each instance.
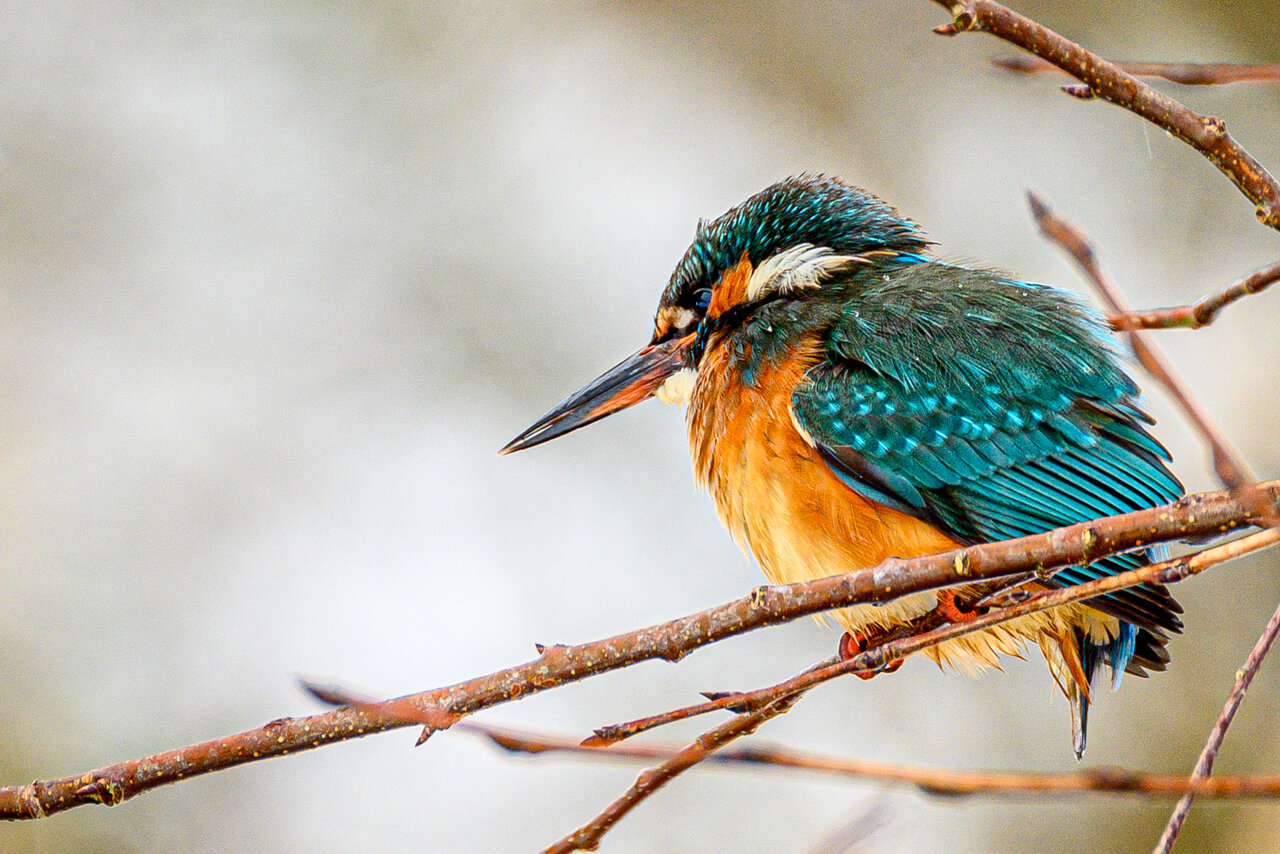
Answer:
(814, 209)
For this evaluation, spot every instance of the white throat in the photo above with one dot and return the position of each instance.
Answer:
(677, 388)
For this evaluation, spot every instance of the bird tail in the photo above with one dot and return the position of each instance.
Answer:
(1085, 665)
(1134, 649)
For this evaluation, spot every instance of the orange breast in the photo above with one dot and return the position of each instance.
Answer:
(772, 491)
(779, 500)
(801, 522)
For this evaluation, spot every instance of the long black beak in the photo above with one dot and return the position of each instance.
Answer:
(633, 380)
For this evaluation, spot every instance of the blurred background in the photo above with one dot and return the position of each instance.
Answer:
(277, 280)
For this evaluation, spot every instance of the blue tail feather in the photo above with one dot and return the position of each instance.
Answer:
(1116, 654)
(1120, 652)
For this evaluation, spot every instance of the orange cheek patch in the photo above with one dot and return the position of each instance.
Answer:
(731, 290)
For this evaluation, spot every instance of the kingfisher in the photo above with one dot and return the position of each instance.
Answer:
(852, 398)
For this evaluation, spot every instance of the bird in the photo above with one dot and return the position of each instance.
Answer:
(851, 398)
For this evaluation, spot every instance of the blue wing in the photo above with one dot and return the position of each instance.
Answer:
(991, 421)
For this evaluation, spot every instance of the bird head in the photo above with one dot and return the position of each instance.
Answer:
(784, 240)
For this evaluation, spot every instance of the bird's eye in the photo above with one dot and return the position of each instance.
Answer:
(702, 298)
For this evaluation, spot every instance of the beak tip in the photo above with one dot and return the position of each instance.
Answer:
(519, 443)
(631, 381)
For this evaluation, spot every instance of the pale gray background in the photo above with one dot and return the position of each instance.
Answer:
(276, 281)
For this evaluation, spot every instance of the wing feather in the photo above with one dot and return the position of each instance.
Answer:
(991, 429)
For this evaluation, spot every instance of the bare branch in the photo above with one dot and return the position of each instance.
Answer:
(1204, 765)
(730, 701)
(1110, 82)
(587, 837)
(919, 637)
(1227, 462)
(931, 781)
(1194, 516)
(1184, 73)
(980, 595)
(1201, 313)
(771, 702)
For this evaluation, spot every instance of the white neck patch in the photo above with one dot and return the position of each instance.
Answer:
(802, 266)
(677, 388)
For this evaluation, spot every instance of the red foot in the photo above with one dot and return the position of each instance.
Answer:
(857, 642)
(851, 646)
(951, 612)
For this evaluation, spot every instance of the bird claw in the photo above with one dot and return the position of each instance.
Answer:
(855, 643)
(953, 613)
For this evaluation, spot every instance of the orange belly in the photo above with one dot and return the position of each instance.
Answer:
(783, 504)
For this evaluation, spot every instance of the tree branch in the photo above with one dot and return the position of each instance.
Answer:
(1200, 313)
(980, 595)
(920, 637)
(929, 780)
(1110, 82)
(1227, 462)
(761, 706)
(1204, 765)
(1230, 466)
(770, 702)
(1194, 516)
(587, 837)
(1183, 73)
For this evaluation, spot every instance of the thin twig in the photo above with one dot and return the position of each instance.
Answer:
(1204, 765)
(1108, 81)
(928, 780)
(1200, 313)
(1165, 572)
(731, 701)
(980, 595)
(587, 837)
(1193, 516)
(1228, 463)
(1230, 466)
(983, 594)
(1183, 73)
(771, 702)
